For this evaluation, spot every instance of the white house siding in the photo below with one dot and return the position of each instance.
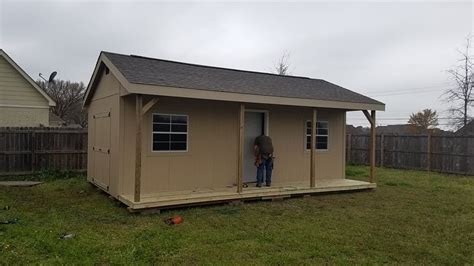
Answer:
(20, 103)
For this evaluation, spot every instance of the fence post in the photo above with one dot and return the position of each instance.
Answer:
(429, 153)
(465, 157)
(381, 149)
(33, 148)
(349, 147)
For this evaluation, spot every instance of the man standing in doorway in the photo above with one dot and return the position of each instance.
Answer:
(263, 148)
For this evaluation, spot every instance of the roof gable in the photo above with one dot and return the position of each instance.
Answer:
(28, 79)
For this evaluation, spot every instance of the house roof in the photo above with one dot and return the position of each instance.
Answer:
(54, 118)
(27, 77)
(467, 130)
(138, 70)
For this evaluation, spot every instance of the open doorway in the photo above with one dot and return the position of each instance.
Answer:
(256, 124)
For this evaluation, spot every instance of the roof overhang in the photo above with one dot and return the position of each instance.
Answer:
(27, 77)
(247, 98)
(216, 95)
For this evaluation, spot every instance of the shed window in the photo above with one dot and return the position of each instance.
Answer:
(322, 135)
(170, 132)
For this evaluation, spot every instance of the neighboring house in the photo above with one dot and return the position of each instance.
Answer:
(350, 129)
(402, 129)
(467, 130)
(22, 102)
(56, 121)
(399, 129)
(165, 133)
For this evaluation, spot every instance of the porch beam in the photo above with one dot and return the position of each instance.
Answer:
(313, 149)
(368, 116)
(373, 138)
(138, 145)
(240, 158)
(149, 105)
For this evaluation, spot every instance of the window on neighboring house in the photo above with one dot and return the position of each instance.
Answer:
(322, 135)
(170, 132)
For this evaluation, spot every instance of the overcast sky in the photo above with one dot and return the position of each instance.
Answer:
(395, 52)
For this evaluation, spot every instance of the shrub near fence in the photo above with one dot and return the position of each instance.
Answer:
(447, 154)
(28, 150)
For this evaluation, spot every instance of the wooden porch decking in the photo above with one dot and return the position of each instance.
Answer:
(203, 196)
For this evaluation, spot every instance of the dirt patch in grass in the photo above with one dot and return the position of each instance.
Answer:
(411, 218)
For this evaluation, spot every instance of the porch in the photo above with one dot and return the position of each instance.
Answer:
(212, 195)
(138, 200)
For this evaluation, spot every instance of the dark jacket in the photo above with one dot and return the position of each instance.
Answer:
(264, 144)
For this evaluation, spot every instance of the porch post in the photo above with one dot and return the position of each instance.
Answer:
(373, 138)
(240, 155)
(371, 118)
(313, 149)
(138, 145)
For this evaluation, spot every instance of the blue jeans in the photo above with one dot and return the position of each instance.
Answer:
(267, 165)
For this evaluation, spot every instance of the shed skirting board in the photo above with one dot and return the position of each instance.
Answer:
(228, 194)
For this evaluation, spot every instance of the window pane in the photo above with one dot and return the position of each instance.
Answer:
(172, 134)
(178, 146)
(322, 146)
(161, 118)
(161, 146)
(179, 119)
(321, 139)
(161, 137)
(322, 131)
(178, 137)
(322, 142)
(161, 127)
(321, 124)
(179, 128)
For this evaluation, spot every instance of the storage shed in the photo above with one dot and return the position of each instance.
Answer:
(165, 133)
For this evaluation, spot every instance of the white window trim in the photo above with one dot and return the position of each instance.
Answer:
(161, 132)
(309, 135)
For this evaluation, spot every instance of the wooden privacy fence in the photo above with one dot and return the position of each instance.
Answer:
(447, 154)
(28, 150)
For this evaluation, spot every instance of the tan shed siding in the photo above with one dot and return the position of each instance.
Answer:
(287, 128)
(16, 90)
(330, 163)
(23, 117)
(344, 145)
(106, 99)
(127, 139)
(211, 159)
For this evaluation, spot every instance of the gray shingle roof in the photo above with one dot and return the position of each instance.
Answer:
(150, 71)
(467, 130)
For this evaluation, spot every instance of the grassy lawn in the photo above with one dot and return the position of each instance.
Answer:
(412, 217)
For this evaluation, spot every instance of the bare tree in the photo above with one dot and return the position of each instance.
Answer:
(68, 97)
(426, 119)
(283, 65)
(461, 96)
